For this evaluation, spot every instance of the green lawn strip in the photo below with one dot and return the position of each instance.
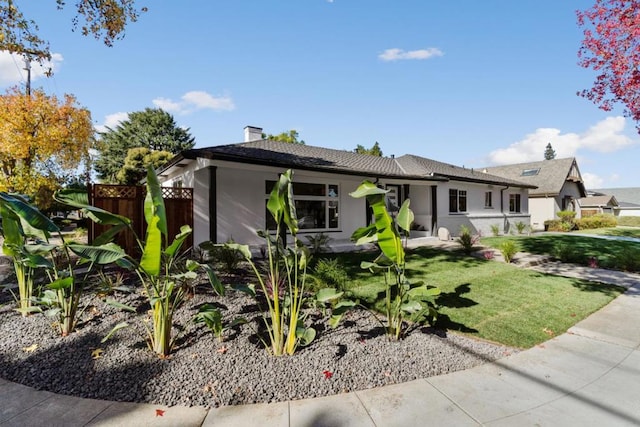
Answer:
(491, 300)
(612, 254)
(615, 231)
(629, 221)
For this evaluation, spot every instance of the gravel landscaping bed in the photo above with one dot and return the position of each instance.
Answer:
(203, 371)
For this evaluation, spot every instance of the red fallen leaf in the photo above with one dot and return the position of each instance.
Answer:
(327, 374)
(159, 412)
(573, 315)
(361, 340)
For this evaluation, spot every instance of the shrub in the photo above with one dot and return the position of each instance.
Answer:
(329, 273)
(566, 216)
(319, 243)
(508, 249)
(488, 255)
(557, 225)
(567, 253)
(467, 240)
(227, 258)
(521, 227)
(495, 230)
(596, 221)
(629, 221)
(628, 259)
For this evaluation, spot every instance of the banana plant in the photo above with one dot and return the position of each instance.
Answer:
(401, 296)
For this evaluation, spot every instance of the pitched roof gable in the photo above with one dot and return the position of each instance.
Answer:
(548, 175)
(286, 155)
(624, 196)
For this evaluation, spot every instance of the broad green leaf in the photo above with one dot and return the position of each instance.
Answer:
(411, 307)
(153, 202)
(340, 309)
(28, 310)
(405, 216)
(60, 284)
(192, 265)
(36, 261)
(290, 215)
(29, 213)
(120, 306)
(388, 238)
(305, 335)
(185, 231)
(152, 253)
(79, 199)
(243, 249)
(328, 294)
(423, 292)
(109, 235)
(367, 188)
(216, 284)
(12, 231)
(364, 235)
(249, 289)
(39, 248)
(104, 254)
(113, 331)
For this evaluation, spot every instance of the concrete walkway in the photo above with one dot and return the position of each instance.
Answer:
(589, 376)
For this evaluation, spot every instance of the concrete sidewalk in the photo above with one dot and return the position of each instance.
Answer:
(589, 376)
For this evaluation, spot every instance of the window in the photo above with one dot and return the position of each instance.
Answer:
(316, 205)
(530, 172)
(457, 201)
(514, 203)
(487, 199)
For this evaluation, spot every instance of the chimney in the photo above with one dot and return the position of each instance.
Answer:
(252, 133)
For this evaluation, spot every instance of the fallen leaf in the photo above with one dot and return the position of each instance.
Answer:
(573, 315)
(159, 413)
(222, 350)
(387, 373)
(548, 332)
(97, 353)
(327, 374)
(30, 349)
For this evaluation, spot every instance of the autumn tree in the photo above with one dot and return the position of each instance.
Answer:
(373, 151)
(290, 137)
(136, 162)
(105, 20)
(549, 152)
(611, 47)
(43, 140)
(153, 128)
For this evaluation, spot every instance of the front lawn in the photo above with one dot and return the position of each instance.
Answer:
(619, 231)
(607, 253)
(488, 299)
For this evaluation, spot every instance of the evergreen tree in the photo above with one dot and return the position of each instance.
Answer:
(290, 137)
(373, 151)
(153, 128)
(549, 152)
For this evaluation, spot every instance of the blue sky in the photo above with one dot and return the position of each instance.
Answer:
(467, 82)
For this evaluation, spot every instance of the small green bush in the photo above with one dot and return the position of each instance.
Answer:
(566, 216)
(508, 249)
(521, 227)
(596, 221)
(227, 257)
(557, 225)
(330, 273)
(628, 259)
(495, 230)
(467, 240)
(567, 253)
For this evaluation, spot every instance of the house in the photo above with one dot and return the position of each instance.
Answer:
(558, 186)
(594, 205)
(628, 199)
(232, 183)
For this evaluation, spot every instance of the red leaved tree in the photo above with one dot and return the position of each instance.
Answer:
(611, 47)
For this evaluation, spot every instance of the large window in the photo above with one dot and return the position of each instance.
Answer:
(514, 203)
(457, 201)
(316, 205)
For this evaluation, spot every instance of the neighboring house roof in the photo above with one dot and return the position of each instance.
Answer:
(287, 155)
(549, 176)
(626, 197)
(598, 201)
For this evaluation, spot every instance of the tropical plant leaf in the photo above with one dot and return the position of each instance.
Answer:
(120, 306)
(113, 331)
(152, 252)
(367, 188)
(423, 292)
(104, 254)
(216, 284)
(185, 231)
(60, 284)
(80, 199)
(411, 307)
(305, 335)
(328, 294)
(249, 289)
(405, 216)
(29, 213)
(243, 249)
(153, 202)
(109, 234)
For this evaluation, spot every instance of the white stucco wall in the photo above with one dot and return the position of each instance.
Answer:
(543, 208)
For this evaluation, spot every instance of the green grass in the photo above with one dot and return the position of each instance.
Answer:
(629, 221)
(491, 300)
(615, 231)
(611, 254)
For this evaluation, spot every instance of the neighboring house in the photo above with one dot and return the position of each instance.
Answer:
(593, 205)
(628, 199)
(559, 185)
(232, 183)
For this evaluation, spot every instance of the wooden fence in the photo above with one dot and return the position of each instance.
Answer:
(128, 200)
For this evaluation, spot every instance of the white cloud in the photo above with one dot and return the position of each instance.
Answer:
(604, 137)
(195, 100)
(111, 121)
(592, 180)
(396, 54)
(12, 68)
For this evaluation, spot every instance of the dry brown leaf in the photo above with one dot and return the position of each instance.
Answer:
(30, 349)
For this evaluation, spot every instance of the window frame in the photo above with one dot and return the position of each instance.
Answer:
(488, 199)
(459, 199)
(515, 203)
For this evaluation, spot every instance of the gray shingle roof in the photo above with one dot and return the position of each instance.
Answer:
(624, 196)
(286, 155)
(607, 200)
(550, 178)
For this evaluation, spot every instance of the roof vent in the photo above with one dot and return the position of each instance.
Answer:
(252, 133)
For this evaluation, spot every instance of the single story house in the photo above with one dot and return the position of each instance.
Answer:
(593, 205)
(558, 185)
(628, 199)
(231, 185)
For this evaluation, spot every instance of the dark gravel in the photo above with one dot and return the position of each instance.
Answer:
(202, 371)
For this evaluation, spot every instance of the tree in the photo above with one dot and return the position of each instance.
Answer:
(611, 47)
(105, 20)
(153, 128)
(136, 162)
(42, 142)
(373, 151)
(290, 137)
(549, 152)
